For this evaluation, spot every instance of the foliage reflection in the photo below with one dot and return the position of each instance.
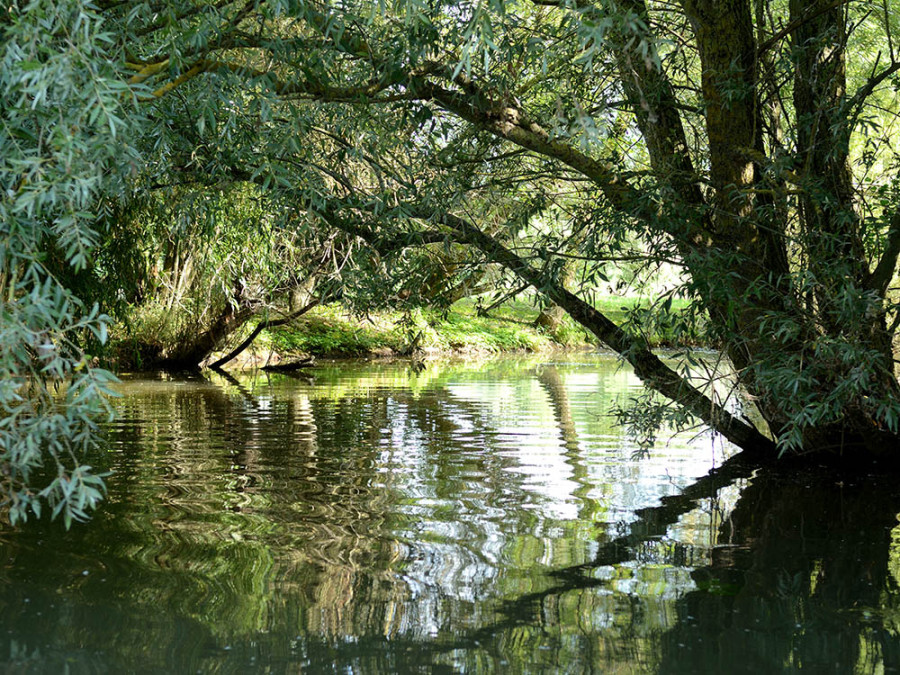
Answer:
(477, 517)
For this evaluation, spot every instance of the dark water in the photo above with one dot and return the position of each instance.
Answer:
(468, 518)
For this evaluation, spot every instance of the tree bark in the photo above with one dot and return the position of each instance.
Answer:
(189, 355)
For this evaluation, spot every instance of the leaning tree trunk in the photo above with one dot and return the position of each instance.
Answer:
(260, 327)
(738, 264)
(733, 238)
(648, 367)
(193, 348)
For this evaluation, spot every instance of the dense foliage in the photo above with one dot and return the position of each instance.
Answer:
(408, 150)
(62, 144)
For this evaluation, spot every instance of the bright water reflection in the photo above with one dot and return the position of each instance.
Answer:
(473, 517)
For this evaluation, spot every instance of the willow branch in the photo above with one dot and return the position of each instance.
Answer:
(796, 23)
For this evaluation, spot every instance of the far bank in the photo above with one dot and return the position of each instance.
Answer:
(333, 331)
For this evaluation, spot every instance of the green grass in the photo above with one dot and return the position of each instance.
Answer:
(460, 330)
(521, 314)
(327, 333)
(330, 331)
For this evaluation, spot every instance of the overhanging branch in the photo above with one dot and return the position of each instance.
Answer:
(260, 327)
(648, 367)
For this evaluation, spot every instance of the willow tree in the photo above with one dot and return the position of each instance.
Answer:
(62, 143)
(748, 142)
(757, 155)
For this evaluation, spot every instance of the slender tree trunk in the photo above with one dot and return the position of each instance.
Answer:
(260, 327)
(506, 297)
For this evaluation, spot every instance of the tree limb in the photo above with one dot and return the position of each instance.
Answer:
(648, 367)
(512, 123)
(855, 102)
(384, 245)
(260, 327)
(881, 276)
(797, 23)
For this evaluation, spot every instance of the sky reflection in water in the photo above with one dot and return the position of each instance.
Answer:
(480, 517)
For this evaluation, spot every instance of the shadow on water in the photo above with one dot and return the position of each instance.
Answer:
(806, 576)
(808, 581)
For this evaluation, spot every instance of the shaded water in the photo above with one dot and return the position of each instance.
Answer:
(480, 517)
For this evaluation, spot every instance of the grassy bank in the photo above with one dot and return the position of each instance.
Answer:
(333, 332)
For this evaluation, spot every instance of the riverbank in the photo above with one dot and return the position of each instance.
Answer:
(334, 332)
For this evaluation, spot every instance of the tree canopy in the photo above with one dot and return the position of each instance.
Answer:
(408, 146)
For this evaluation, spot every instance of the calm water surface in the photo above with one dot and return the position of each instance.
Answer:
(472, 517)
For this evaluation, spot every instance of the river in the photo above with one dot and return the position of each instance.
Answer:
(472, 516)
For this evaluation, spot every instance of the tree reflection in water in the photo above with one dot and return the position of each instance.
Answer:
(811, 581)
(466, 519)
(805, 577)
